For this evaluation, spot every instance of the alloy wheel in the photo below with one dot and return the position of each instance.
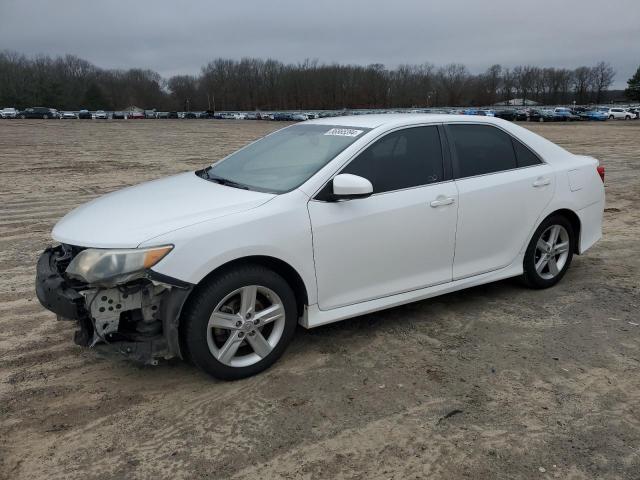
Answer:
(246, 326)
(552, 251)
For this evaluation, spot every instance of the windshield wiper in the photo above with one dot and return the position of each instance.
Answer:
(226, 182)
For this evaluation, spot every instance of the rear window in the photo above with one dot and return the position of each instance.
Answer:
(481, 149)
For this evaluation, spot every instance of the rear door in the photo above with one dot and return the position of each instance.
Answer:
(402, 237)
(503, 188)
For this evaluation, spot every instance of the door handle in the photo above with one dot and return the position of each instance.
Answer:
(541, 182)
(442, 201)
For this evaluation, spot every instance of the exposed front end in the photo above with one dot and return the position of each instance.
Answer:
(135, 313)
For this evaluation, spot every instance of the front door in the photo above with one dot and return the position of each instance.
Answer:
(399, 239)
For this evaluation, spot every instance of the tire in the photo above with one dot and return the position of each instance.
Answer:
(541, 119)
(22, 117)
(610, 117)
(550, 272)
(45, 117)
(239, 348)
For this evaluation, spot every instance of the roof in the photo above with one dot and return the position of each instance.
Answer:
(401, 119)
(542, 146)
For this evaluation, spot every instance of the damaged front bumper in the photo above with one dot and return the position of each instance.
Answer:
(140, 319)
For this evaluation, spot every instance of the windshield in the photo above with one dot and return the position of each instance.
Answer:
(285, 159)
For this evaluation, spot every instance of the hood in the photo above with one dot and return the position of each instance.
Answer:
(128, 217)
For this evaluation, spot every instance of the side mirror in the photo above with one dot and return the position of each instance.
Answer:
(347, 186)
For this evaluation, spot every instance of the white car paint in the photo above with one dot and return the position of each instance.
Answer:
(128, 217)
(376, 247)
(489, 208)
(360, 255)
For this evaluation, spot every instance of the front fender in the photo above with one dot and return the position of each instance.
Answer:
(280, 229)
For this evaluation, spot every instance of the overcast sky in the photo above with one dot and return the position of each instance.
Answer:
(179, 36)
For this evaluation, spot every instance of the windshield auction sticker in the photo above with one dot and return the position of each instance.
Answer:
(344, 132)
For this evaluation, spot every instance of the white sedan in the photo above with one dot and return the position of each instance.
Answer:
(314, 223)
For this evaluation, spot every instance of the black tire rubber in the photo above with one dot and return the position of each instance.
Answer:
(530, 277)
(207, 296)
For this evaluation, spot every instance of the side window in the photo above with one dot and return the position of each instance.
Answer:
(481, 149)
(524, 156)
(402, 159)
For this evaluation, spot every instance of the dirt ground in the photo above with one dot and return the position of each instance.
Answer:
(493, 382)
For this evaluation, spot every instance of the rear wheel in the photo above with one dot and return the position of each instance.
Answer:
(549, 253)
(240, 323)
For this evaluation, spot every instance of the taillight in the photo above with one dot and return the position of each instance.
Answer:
(601, 173)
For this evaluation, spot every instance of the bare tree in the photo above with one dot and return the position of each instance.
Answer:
(69, 82)
(603, 75)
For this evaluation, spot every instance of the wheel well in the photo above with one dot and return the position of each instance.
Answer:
(282, 268)
(575, 223)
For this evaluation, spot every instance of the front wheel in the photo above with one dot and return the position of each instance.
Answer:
(239, 323)
(549, 253)
(610, 117)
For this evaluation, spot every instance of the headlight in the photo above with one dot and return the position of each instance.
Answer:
(99, 265)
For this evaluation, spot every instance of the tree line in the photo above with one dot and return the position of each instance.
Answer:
(71, 83)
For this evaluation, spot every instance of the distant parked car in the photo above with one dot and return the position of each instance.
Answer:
(84, 115)
(282, 116)
(100, 115)
(541, 116)
(575, 115)
(172, 115)
(68, 116)
(510, 115)
(299, 117)
(522, 115)
(135, 116)
(189, 115)
(618, 114)
(635, 112)
(562, 114)
(150, 114)
(38, 112)
(8, 113)
(118, 116)
(596, 115)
